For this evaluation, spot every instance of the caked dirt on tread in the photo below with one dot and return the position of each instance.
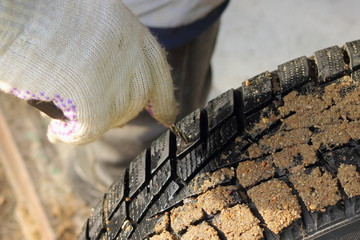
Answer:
(250, 172)
(209, 180)
(349, 179)
(276, 204)
(318, 189)
(164, 235)
(309, 124)
(201, 231)
(238, 223)
(163, 223)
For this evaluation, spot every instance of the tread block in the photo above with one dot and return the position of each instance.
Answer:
(351, 206)
(160, 150)
(330, 62)
(159, 180)
(127, 230)
(330, 216)
(167, 199)
(114, 225)
(294, 231)
(145, 228)
(220, 108)
(190, 163)
(190, 126)
(173, 195)
(96, 221)
(138, 234)
(221, 136)
(115, 195)
(142, 201)
(256, 91)
(232, 153)
(353, 50)
(138, 206)
(357, 205)
(293, 73)
(187, 165)
(137, 173)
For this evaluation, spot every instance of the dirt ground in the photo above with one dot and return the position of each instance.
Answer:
(46, 164)
(9, 228)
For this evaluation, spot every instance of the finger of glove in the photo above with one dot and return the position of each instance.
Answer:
(78, 130)
(132, 101)
(162, 103)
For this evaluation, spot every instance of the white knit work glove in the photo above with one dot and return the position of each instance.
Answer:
(92, 58)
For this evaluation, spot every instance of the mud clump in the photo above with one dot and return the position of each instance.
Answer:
(335, 93)
(284, 139)
(292, 156)
(201, 231)
(353, 129)
(181, 217)
(164, 235)
(293, 102)
(238, 223)
(209, 180)
(217, 199)
(250, 172)
(163, 223)
(349, 179)
(268, 116)
(318, 189)
(254, 151)
(210, 202)
(276, 204)
(331, 136)
(278, 141)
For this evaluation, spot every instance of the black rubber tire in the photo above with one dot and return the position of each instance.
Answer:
(219, 135)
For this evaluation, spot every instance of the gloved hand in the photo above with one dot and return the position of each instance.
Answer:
(93, 59)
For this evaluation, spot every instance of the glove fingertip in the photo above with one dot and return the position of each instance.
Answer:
(165, 114)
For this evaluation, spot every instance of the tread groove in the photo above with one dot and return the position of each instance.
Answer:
(314, 71)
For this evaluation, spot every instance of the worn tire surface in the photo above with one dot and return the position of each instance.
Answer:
(277, 158)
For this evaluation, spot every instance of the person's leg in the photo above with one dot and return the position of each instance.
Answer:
(97, 164)
(192, 71)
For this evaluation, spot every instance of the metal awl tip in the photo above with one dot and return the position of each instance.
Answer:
(177, 131)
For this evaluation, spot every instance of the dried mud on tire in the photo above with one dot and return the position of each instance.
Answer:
(277, 158)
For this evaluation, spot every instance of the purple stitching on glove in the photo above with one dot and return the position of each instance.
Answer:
(149, 108)
(57, 127)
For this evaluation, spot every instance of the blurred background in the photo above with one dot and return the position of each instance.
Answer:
(255, 36)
